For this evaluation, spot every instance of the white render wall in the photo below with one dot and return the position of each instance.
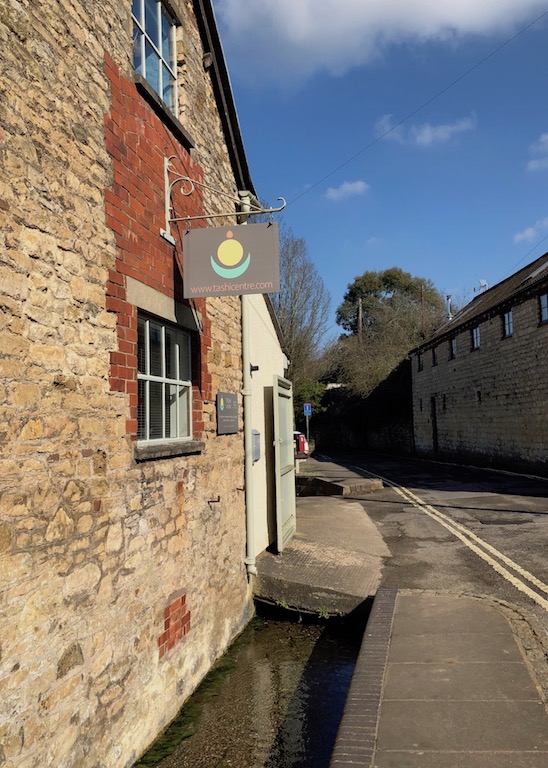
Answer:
(267, 353)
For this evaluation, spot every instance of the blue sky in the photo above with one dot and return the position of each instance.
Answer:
(458, 192)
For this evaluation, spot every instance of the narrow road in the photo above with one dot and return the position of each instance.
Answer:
(461, 529)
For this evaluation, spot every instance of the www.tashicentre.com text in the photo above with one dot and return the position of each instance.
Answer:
(234, 287)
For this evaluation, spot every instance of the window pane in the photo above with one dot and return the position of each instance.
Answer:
(171, 410)
(156, 410)
(141, 346)
(151, 21)
(136, 9)
(166, 39)
(184, 411)
(155, 349)
(141, 411)
(137, 53)
(167, 87)
(152, 69)
(184, 357)
(171, 353)
(544, 307)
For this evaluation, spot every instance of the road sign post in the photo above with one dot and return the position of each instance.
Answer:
(308, 414)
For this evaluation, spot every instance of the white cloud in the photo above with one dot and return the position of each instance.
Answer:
(424, 135)
(540, 150)
(532, 233)
(346, 189)
(288, 41)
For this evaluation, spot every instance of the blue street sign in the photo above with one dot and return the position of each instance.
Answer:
(307, 409)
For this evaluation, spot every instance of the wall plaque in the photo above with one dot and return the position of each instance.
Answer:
(227, 413)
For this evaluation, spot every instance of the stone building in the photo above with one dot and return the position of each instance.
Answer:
(480, 384)
(122, 511)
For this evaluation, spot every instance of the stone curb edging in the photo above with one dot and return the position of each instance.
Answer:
(355, 742)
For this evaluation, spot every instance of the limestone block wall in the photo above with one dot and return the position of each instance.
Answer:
(121, 581)
(491, 403)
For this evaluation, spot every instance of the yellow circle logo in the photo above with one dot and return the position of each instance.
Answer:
(230, 251)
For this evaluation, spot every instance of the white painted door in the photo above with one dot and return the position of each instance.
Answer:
(284, 461)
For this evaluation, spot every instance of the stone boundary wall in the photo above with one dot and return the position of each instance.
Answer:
(98, 550)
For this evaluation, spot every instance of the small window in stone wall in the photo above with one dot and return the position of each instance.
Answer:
(543, 307)
(478, 396)
(444, 402)
(434, 356)
(507, 325)
(419, 362)
(420, 404)
(475, 337)
(452, 348)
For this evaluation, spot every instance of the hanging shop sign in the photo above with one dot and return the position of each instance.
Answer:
(230, 261)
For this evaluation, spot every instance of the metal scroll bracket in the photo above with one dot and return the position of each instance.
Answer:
(247, 203)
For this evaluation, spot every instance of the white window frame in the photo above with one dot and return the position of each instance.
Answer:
(142, 36)
(543, 307)
(182, 386)
(507, 324)
(476, 337)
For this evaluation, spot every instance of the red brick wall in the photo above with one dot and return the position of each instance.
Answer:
(138, 142)
(176, 624)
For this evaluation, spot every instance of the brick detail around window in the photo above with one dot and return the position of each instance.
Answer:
(176, 625)
(138, 141)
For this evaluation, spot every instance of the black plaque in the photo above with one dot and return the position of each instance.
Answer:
(227, 413)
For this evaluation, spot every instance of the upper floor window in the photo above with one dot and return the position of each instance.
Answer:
(452, 348)
(543, 307)
(165, 389)
(434, 356)
(154, 48)
(419, 362)
(475, 335)
(507, 324)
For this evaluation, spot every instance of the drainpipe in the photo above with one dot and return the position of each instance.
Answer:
(246, 394)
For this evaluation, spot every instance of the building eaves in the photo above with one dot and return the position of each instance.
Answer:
(493, 301)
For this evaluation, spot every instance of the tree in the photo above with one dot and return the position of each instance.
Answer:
(375, 298)
(302, 307)
(384, 314)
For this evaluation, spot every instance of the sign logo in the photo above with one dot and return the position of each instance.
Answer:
(229, 262)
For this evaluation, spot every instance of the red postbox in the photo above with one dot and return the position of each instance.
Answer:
(301, 448)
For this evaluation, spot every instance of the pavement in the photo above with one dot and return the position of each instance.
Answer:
(442, 680)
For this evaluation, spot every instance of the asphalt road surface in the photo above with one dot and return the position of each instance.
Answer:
(461, 529)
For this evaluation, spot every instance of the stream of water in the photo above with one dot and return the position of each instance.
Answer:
(275, 701)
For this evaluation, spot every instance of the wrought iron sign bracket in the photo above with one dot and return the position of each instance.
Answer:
(246, 201)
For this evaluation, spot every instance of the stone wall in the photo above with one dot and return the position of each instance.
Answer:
(491, 403)
(121, 581)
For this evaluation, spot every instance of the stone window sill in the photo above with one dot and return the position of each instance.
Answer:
(165, 114)
(167, 449)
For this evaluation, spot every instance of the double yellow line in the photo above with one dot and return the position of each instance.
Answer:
(497, 560)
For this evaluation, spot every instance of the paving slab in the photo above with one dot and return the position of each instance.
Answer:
(461, 760)
(463, 726)
(441, 682)
(459, 681)
(438, 648)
